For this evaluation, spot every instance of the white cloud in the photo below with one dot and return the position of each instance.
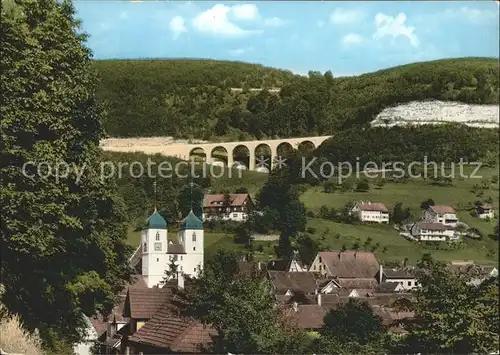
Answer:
(240, 51)
(341, 17)
(178, 26)
(215, 21)
(274, 22)
(245, 12)
(389, 26)
(473, 15)
(352, 38)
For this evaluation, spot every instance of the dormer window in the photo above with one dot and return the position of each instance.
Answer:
(194, 237)
(157, 235)
(145, 247)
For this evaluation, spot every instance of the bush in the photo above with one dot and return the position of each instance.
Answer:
(310, 214)
(15, 339)
(362, 186)
(311, 230)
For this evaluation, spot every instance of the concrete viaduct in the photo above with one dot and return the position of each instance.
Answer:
(206, 150)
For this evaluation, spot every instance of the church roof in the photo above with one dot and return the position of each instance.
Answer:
(191, 222)
(156, 221)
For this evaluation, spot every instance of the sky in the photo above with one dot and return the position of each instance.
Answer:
(348, 38)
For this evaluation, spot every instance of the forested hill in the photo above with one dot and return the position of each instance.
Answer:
(194, 98)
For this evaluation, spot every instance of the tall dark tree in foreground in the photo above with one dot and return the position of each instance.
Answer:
(240, 307)
(352, 328)
(63, 252)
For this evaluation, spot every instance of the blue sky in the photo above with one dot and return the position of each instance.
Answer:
(345, 37)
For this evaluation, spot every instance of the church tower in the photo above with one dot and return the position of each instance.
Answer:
(154, 249)
(192, 238)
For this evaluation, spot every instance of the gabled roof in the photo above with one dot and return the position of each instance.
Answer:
(168, 330)
(142, 303)
(404, 273)
(372, 206)
(433, 226)
(304, 282)
(174, 248)
(442, 209)
(307, 316)
(387, 287)
(218, 199)
(366, 284)
(350, 264)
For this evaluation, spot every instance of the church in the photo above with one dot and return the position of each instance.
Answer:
(158, 252)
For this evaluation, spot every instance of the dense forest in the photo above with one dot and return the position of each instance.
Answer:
(197, 98)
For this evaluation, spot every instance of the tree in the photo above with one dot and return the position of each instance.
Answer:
(398, 214)
(241, 190)
(427, 203)
(238, 306)
(63, 247)
(171, 272)
(351, 328)
(362, 186)
(463, 319)
(191, 198)
(308, 248)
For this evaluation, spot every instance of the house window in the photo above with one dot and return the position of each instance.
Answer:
(157, 260)
(194, 270)
(320, 259)
(145, 247)
(181, 257)
(409, 283)
(235, 215)
(157, 235)
(314, 267)
(194, 237)
(194, 248)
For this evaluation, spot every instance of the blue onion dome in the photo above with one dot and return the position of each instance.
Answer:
(192, 222)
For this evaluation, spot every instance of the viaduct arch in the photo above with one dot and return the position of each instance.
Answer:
(231, 152)
(226, 153)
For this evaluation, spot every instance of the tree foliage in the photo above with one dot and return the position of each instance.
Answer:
(196, 98)
(63, 252)
(453, 315)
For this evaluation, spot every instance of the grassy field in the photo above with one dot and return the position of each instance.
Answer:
(411, 194)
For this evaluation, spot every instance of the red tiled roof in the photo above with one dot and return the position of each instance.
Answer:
(442, 209)
(100, 323)
(168, 330)
(236, 199)
(350, 264)
(142, 303)
(432, 226)
(372, 206)
(307, 316)
(295, 281)
(368, 284)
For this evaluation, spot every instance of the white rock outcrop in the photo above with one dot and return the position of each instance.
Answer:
(436, 112)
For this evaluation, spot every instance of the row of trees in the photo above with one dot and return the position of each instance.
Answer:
(186, 98)
(451, 315)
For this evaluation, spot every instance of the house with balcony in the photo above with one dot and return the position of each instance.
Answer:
(374, 212)
(234, 207)
(445, 215)
(433, 232)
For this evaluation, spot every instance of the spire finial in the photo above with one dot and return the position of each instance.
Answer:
(154, 189)
(191, 184)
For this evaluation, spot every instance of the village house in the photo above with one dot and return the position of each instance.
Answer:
(294, 264)
(479, 272)
(485, 211)
(445, 215)
(433, 231)
(292, 283)
(371, 212)
(345, 264)
(404, 279)
(234, 207)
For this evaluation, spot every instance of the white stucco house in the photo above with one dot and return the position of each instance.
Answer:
(158, 252)
(88, 341)
(234, 207)
(445, 215)
(433, 232)
(405, 277)
(371, 212)
(485, 211)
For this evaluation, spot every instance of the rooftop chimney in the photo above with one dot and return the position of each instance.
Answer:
(180, 280)
(319, 299)
(380, 274)
(295, 306)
